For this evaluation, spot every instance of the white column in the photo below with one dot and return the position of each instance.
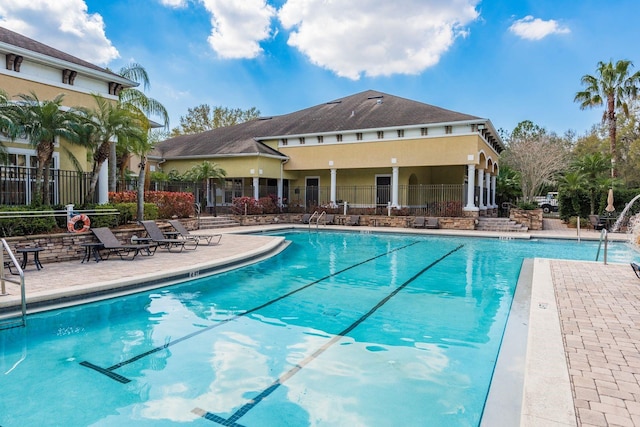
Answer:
(103, 184)
(280, 190)
(333, 187)
(394, 187)
(493, 191)
(256, 187)
(471, 183)
(480, 187)
(487, 178)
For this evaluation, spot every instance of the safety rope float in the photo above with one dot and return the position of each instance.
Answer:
(86, 223)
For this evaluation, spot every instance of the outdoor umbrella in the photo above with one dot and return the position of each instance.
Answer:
(610, 207)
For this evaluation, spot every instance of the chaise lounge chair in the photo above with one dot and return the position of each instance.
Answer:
(113, 245)
(306, 218)
(158, 237)
(353, 220)
(186, 234)
(329, 219)
(432, 222)
(636, 269)
(419, 222)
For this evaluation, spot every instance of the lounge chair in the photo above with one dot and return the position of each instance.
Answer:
(158, 237)
(329, 219)
(113, 245)
(432, 222)
(353, 220)
(306, 218)
(636, 269)
(419, 222)
(186, 234)
(596, 222)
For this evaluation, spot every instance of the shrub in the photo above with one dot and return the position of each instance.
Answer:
(248, 205)
(26, 225)
(168, 204)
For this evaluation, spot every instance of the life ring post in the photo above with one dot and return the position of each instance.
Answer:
(84, 219)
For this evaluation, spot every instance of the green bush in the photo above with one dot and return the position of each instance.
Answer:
(21, 225)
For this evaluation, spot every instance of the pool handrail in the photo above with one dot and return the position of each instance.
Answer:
(603, 236)
(3, 279)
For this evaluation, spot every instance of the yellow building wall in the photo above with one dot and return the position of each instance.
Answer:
(449, 150)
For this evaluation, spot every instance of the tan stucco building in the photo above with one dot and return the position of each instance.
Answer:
(370, 149)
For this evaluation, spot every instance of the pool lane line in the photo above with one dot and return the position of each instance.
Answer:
(231, 421)
(124, 380)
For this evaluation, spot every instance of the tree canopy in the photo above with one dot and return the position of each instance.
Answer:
(203, 118)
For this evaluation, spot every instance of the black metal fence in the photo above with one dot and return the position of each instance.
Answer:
(18, 186)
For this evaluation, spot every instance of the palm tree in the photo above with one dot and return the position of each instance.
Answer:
(614, 85)
(43, 122)
(107, 123)
(592, 168)
(204, 172)
(141, 147)
(136, 101)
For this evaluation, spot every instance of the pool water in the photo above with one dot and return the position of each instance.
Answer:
(340, 329)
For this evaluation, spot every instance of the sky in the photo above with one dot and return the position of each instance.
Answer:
(505, 60)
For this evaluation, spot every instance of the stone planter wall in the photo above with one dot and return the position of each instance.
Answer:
(530, 218)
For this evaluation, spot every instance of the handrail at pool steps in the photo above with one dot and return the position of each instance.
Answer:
(314, 215)
(323, 214)
(603, 236)
(12, 263)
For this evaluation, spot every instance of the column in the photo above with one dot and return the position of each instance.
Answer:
(256, 187)
(394, 187)
(471, 184)
(487, 178)
(103, 184)
(480, 188)
(493, 191)
(333, 187)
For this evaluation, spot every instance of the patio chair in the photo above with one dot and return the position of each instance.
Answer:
(158, 237)
(636, 269)
(186, 234)
(306, 218)
(329, 219)
(124, 251)
(596, 222)
(353, 220)
(419, 222)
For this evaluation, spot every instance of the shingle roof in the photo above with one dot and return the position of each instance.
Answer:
(364, 110)
(18, 40)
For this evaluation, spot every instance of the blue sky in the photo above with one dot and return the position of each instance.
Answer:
(504, 60)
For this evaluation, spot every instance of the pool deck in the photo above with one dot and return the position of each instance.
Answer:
(582, 364)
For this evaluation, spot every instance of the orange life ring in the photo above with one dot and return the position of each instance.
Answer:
(86, 224)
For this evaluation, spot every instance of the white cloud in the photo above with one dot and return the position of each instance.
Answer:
(239, 26)
(375, 37)
(531, 28)
(174, 3)
(62, 24)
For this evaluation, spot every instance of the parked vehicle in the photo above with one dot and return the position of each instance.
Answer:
(548, 203)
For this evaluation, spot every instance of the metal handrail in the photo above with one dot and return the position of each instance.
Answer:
(311, 219)
(3, 279)
(322, 215)
(603, 236)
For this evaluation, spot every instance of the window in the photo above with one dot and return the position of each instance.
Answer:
(359, 136)
(424, 131)
(320, 139)
(448, 129)
(301, 139)
(284, 141)
(380, 134)
(339, 137)
(400, 133)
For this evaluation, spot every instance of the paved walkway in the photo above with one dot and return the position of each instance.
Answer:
(598, 307)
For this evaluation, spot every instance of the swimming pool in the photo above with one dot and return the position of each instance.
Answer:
(339, 329)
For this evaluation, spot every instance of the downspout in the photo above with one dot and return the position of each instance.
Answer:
(282, 163)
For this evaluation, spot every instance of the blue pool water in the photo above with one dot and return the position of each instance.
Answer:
(340, 329)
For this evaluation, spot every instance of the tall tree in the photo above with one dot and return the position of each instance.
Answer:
(536, 156)
(135, 100)
(612, 86)
(106, 123)
(593, 170)
(142, 147)
(43, 122)
(208, 172)
(202, 118)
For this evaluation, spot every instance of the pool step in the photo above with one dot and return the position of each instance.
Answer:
(500, 224)
(208, 222)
